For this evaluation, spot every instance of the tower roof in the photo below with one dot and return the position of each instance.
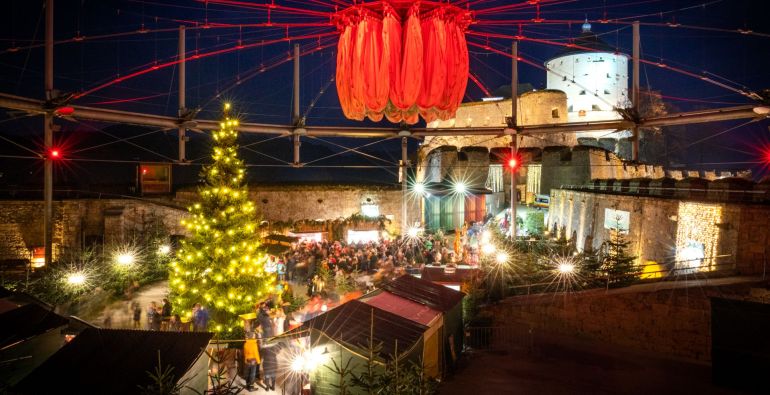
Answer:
(586, 39)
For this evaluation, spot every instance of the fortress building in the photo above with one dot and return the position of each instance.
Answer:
(595, 82)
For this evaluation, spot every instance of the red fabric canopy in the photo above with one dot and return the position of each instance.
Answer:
(402, 68)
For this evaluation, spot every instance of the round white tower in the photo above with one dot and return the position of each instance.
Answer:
(595, 81)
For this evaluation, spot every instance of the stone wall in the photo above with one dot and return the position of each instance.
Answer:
(21, 222)
(743, 230)
(666, 319)
(298, 202)
(75, 221)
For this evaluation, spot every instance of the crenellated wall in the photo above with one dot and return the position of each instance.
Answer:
(740, 233)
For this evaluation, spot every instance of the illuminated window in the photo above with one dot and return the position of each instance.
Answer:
(617, 219)
(533, 178)
(495, 178)
(363, 236)
(155, 178)
(370, 210)
(697, 236)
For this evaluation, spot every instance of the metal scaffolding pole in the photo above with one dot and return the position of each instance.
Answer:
(48, 136)
(298, 131)
(182, 89)
(404, 167)
(514, 125)
(635, 92)
(295, 110)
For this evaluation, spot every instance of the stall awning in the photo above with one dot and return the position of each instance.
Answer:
(404, 307)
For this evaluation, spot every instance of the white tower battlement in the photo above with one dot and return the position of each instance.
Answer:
(595, 81)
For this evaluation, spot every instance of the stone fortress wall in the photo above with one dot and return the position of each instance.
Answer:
(77, 221)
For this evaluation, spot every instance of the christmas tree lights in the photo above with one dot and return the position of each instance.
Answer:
(220, 265)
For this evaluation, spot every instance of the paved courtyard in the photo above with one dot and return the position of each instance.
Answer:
(566, 367)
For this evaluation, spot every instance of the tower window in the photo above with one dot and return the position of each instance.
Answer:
(555, 113)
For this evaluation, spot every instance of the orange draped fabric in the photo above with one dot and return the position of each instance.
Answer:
(402, 68)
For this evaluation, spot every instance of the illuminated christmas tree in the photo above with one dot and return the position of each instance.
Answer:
(220, 265)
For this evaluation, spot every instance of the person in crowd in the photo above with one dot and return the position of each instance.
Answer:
(269, 367)
(279, 321)
(137, 316)
(153, 317)
(165, 313)
(265, 321)
(252, 359)
(200, 318)
(280, 269)
(107, 322)
(175, 323)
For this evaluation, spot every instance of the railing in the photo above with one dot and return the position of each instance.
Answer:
(708, 271)
(500, 338)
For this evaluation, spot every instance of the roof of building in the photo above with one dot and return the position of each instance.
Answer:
(425, 292)
(349, 324)
(280, 239)
(27, 321)
(403, 307)
(586, 39)
(113, 361)
(438, 274)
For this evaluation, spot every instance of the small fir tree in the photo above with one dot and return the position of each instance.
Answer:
(220, 265)
(591, 267)
(617, 263)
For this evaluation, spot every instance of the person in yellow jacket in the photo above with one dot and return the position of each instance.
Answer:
(251, 356)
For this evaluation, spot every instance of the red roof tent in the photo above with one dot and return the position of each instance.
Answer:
(425, 292)
(404, 307)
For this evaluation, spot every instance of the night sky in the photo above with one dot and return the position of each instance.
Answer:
(706, 41)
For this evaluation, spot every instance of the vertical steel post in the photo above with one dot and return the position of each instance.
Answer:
(635, 92)
(295, 112)
(514, 114)
(48, 137)
(296, 149)
(182, 90)
(404, 167)
(295, 107)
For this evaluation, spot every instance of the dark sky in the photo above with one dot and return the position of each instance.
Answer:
(706, 41)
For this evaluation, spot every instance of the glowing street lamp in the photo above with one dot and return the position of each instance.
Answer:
(76, 279)
(418, 188)
(566, 268)
(164, 249)
(125, 259)
(413, 232)
(485, 237)
(298, 364)
(460, 187)
(501, 258)
(488, 249)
